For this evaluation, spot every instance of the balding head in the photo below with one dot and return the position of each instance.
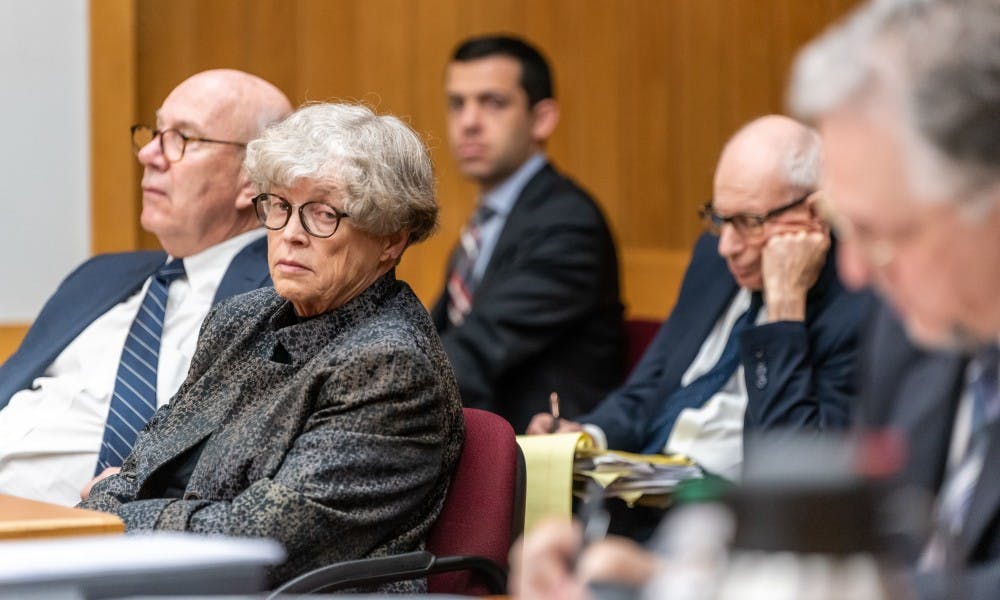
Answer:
(773, 146)
(242, 103)
(769, 164)
(204, 198)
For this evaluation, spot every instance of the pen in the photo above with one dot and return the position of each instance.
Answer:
(554, 407)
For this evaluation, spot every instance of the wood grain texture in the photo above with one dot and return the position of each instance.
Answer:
(21, 518)
(649, 90)
(114, 177)
(11, 335)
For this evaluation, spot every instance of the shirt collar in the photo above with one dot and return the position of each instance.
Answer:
(502, 198)
(206, 268)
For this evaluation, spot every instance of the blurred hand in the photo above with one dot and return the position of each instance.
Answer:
(542, 423)
(790, 264)
(85, 492)
(617, 560)
(541, 563)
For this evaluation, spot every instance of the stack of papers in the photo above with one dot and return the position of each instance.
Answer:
(646, 479)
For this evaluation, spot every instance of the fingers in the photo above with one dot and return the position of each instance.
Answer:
(540, 423)
(541, 562)
(618, 560)
(567, 426)
(543, 423)
(108, 472)
(798, 240)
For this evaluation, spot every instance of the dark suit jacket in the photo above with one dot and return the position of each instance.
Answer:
(798, 375)
(334, 435)
(916, 393)
(546, 316)
(94, 288)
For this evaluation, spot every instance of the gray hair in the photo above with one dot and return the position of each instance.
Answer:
(938, 64)
(802, 160)
(377, 162)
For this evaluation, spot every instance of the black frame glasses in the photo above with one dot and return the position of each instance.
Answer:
(308, 217)
(745, 223)
(144, 134)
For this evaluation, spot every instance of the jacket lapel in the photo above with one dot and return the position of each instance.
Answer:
(707, 290)
(247, 271)
(535, 191)
(102, 293)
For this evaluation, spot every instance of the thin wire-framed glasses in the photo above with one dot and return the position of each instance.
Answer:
(748, 224)
(319, 219)
(172, 142)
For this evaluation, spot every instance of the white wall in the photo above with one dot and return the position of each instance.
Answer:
(44, 150)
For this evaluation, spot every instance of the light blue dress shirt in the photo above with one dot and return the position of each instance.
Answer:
(501, 199)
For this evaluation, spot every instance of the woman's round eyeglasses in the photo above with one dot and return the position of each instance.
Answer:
(319, 219)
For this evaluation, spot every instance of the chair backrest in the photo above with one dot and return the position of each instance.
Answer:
(638, 335)
(483, 512)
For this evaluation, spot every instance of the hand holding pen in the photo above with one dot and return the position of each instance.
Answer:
(551, 421)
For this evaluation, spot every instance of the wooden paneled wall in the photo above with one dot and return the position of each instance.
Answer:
(649, 89)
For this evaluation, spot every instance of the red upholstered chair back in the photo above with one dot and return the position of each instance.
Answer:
(638, 335)
(484, 510)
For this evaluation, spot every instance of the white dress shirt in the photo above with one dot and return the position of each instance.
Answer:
(50, 434)
(712, 434)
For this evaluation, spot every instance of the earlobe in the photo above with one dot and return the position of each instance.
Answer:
(546, 117)
(244, 198)
(394, 246)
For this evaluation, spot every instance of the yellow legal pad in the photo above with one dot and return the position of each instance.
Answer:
(549, 478)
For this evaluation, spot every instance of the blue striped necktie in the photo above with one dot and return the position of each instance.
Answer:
(961, 481)
(133, 401)
(696, 393)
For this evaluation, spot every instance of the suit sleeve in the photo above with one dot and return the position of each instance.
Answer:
(796, 380)
(83, 296)
(547, 282)
(623, 415)
(362, 470)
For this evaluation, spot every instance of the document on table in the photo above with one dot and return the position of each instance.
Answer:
(632, 477)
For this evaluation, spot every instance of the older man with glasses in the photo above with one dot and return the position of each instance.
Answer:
(115, 340)
(763, 335)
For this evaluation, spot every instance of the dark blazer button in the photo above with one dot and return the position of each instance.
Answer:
(760, 376)
(191, 496)
(129, 476)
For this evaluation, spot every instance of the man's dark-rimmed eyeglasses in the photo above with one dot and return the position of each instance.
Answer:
(172, 141)
(748, 224)
(319, 219)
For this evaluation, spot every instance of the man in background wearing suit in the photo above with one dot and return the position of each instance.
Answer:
(115, 339)
(763, 335)
(531, 303)
(906, 96)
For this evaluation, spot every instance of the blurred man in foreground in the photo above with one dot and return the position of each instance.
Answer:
(906, 96)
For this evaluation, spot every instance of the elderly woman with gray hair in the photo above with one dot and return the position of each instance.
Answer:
(322, 413)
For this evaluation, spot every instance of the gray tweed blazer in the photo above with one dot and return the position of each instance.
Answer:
(335, 435)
